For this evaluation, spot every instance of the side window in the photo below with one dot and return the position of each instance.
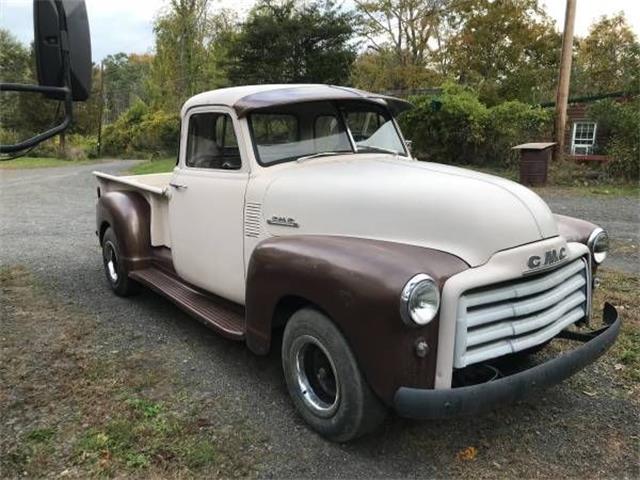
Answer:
(212, 143)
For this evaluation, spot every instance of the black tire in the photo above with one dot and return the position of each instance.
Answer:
(114, 269)
(324, 380)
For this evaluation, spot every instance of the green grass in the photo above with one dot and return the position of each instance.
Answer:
(40, 162)
(621, 289)
(145, 434)
(99, 414)
(41, 435)
(162, 165)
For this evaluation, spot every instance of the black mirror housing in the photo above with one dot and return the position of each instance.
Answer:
(63, 60)
(60, 25)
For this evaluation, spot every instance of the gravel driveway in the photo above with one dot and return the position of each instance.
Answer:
(47, 225)
(620, 216)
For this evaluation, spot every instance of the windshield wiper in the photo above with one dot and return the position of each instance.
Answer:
(317, 155)
(378, 149)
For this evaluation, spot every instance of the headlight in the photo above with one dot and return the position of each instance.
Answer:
(598, 243)
(420, 300)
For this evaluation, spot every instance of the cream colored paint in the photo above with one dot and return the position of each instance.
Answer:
(206, 221)
(382, 197)
(154, 188)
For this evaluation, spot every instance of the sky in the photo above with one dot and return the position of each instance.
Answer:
(126, 25)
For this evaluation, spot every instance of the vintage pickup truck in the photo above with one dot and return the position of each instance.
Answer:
(398, 283)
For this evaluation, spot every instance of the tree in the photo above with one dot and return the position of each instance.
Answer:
(14, 67)
(405, 27)
(125, 80)
(607, 59)
(191, 48)
(506, 49)
(286, 43)
(22, 114)
(180, 52)
(620, 121)
(380, 70)
(86, 115)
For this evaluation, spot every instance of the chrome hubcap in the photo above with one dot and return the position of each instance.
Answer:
(111, 262)
(316, 377)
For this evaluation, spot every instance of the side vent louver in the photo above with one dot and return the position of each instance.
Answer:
(252, 216)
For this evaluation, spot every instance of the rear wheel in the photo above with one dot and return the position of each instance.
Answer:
(324, 380)
(114, 268)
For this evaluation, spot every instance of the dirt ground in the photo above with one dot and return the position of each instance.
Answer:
(95, 385)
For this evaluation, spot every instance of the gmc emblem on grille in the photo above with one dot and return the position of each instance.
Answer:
(550, 257)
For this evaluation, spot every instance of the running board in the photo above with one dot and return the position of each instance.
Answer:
(225, 317)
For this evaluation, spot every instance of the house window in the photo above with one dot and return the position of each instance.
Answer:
(583, 138)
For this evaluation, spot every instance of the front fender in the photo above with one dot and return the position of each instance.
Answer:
(357, 283)
(129, 215)
(574, 229)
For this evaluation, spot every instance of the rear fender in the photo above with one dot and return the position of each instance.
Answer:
(129, 215)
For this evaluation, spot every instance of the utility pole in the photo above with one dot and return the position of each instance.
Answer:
(564, 77)
(101, 108)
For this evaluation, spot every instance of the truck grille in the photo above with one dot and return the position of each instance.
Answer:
(514, 316)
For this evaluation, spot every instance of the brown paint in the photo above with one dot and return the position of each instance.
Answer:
(223, 316)
(314, 93)
(129, 215)
(163, 260)
(357, 283)
(574, 229)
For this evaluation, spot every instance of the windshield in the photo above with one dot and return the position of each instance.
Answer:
(323, 128)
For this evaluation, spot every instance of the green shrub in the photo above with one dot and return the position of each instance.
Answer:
(77, 147)
(447, 128)
(48, 148)
(142, 132)
(621, 123)
(8, 136)
(456, 127)
(512, 123)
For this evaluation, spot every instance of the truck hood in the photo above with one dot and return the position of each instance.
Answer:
(462, 212)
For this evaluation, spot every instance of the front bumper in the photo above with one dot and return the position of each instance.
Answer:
(469, 400)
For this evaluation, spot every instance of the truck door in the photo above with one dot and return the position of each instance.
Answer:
(207, 202)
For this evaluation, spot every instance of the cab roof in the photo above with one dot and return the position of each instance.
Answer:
(252, 97)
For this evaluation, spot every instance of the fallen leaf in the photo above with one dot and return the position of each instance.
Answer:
(467, 454)
(618, 366)
(591, 394)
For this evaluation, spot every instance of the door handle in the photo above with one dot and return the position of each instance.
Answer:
(179, 186)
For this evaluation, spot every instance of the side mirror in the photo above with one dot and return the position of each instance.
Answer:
(63, 61)
(60, 24)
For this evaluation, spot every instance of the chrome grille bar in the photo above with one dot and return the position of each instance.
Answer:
(527, 312)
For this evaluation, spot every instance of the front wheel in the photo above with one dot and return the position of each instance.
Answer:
(324, 380)
(114, 268)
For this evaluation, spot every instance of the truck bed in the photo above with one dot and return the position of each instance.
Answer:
(154, 187)
(157, 183)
